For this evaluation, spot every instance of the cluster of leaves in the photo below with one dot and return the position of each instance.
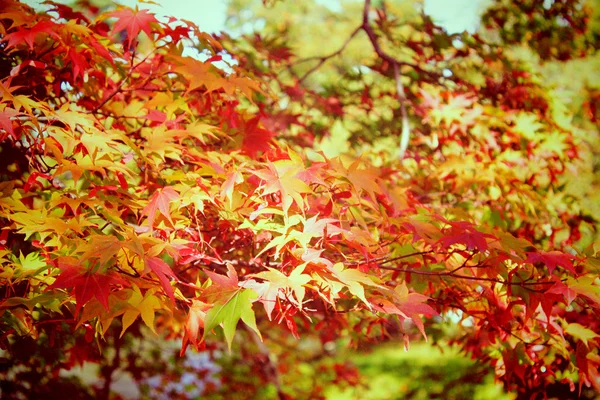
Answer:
(146, 186)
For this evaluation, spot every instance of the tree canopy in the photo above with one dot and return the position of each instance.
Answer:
(349, 176)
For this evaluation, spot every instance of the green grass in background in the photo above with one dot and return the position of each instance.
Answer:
(424, 372)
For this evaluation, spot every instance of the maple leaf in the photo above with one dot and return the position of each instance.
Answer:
(79, 62)
(317, 228)
(245, 85)
(355, 280)
(160, 200)
(225, 282)
(117, 304)
(255, 139)
(200, 74)
(268, 292)
(587, 285)
(466, 234)
(194, 323)
(28, 35)
(552, 259)
(102, 247)
(405, 305)
(581, 332)
(163, 272)
(28, 63)
(86, 284)
(294, 282)
(281, 177)
(527, 124)
(363, 179)
(140, 305)
(229, 311)
(560, 288)
(233, 178)
(32, 264)
(133, 22)
(6, 116)
(555, 142)
(67, 12)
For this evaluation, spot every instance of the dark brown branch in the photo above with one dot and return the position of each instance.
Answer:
(405, 135)
(366, 26)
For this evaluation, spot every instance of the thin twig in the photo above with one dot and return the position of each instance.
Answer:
(467, 277)
(132, 68)
(323, 59)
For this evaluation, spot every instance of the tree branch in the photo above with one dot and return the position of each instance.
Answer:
(381, 53)
(405, 135)
(467, 277)
(323, 59)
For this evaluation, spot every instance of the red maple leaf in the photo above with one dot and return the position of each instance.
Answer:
(28, 35)
(27, 63)
(86, 284)
(67, 12)
(163, 272)
(552, 259)
(225, 282)
(6, 122)
(177, 32)
(466, 234)
(560, 288)
(222, 284)
(133, 22)
(255, 139)
(78, 61)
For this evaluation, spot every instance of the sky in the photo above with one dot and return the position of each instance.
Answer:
(209, 15)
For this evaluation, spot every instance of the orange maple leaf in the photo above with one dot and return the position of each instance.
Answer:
(160, 200)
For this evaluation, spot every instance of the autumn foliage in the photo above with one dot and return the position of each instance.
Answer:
(146, 184)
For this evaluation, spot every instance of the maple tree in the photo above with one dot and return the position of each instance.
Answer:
(367, 193)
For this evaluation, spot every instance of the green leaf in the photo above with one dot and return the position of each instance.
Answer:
(580, 332)
(228, 314)
(32, 264)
